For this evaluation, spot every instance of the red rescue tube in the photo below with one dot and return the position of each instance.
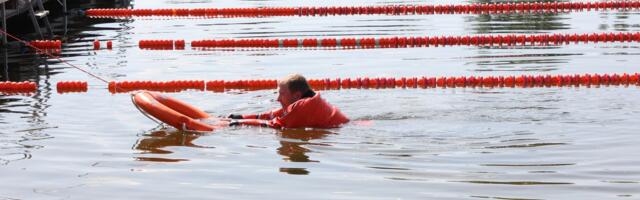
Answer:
(171, 111)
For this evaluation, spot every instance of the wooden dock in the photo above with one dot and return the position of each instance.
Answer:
(37, 12)
(16, 7)
(12, 8)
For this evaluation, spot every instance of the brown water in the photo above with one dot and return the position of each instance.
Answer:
(503, 143)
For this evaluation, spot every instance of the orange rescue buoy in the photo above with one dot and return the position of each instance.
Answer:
(172, 111)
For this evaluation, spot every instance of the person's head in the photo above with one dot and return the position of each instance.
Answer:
(292, 88)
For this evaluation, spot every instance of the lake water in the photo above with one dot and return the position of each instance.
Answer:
(460, 143)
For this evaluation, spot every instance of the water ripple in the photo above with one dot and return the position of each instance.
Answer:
(516, 182)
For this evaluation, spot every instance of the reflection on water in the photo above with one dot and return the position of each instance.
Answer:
(518, 182)
(156, 141)
(517, 23)
(454, 143)
(292, 145)
(293, 140)
(23, 117)
(526, 22)
(620, 21)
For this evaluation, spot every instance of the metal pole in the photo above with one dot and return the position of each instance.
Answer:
(5, 59)
(66, 17)
(46, 19)
(4, 25)
(36, 25)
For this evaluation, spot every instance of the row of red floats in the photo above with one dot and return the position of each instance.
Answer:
(46, 44)
(57, 44)
(381, 83)
(97, 45)
(72, 86)
(162, 44)
(435, 41)
(472, 81)
(24, 87)
(182, 85)
(162, 86)
(368, 10)
(345, 83)
(384, 42)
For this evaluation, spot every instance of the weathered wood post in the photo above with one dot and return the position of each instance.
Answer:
(3, 15)
(44, 14)
(34, 20)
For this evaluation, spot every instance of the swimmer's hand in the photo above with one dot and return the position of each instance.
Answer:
(247, 122)
(234, 123)
(228, 122)
(235, 116)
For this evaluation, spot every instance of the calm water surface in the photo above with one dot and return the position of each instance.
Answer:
(540, 143)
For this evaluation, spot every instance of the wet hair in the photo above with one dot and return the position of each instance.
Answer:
(297, 83)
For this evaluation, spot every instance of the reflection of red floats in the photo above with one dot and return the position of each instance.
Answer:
(171, 111)
(551, 7)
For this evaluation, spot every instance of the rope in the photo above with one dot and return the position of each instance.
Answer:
(52, 56)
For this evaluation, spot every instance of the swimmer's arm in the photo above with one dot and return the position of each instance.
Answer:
(274, 123)
(250, 122)
(263, 116)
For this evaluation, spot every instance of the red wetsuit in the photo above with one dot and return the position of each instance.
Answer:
(312, 112)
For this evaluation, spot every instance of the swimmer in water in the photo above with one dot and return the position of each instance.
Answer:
(301, 108)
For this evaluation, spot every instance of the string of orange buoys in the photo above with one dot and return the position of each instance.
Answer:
(162, 44)
(24, 87)
(72, 86)
(400, 42)
(477, 8)
(162, 86)
(46, 44)
(522, 81)
(370, 42)
(57, 44)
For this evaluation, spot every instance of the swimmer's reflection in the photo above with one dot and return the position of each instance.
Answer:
(292, 139)
(292, 147)
(156, 142)
(292, 142)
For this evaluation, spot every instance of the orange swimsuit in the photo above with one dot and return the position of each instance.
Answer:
(312, 112)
